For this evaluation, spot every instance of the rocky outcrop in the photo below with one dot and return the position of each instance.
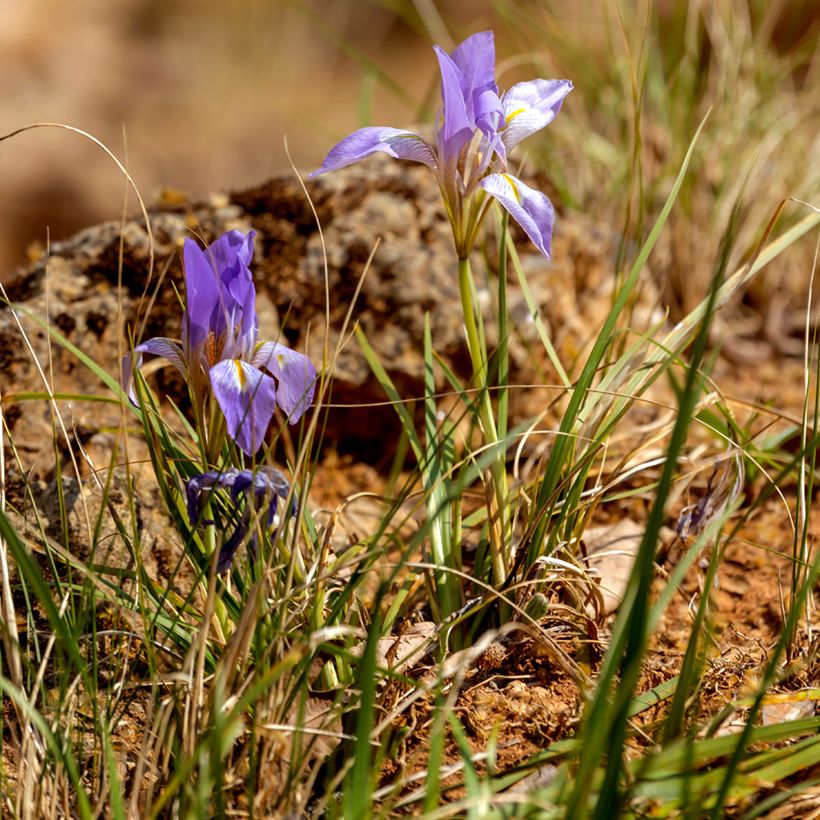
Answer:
(98, 289)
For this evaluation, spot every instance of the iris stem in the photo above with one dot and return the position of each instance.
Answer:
(500, 526)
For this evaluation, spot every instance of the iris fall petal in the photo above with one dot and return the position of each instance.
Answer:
(529, 208)
(247, 398)
(531, 106)
(166, 349)
(295, 376)
(393, 141)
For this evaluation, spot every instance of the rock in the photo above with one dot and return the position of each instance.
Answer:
(413, 272)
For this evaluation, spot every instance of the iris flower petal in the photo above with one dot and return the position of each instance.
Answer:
(203, 288)
(231, 255)
(231, 252)
(166, 349)
(247, 398)
(457, 127)
(295, 376)
(220, 291)
(266, 483)
(197, 491)
(393, 141)
(229, 548)
(530, 106)
(529, 208)
(241, 325)
(475, 58)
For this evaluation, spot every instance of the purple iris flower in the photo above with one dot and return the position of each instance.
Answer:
(220, 351)
(264, 484)
(476, 129)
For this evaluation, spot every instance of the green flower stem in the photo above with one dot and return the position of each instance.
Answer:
(503, 346)
(500, 529)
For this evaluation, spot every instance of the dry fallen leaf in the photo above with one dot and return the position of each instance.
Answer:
(402, 651)
(611, 552)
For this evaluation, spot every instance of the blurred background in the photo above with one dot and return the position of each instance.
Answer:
(196, 95)
(200, 91)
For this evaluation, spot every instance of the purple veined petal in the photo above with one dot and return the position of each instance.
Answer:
(220, 291)
(271, 482)
(295, 376)
(203, 292)
(529, 208)
(393, 141)
(229, 548)
(231, 251)
(249, 324)
(231, 256)
(235, 312)
(266, 483)
(475, 58)
(197, 491)
(240, 483)
(240, 327)
(456, 127)
(247, 398)
(166, 349)
(530, 106)
(488, 109)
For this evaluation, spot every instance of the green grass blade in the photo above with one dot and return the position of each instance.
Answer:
(558, 456)
(606, 719)
(359, 782)
(61, 755)
(389, 388)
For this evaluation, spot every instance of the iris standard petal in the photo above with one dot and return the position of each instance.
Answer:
(277, 486)
(232, 251)
(529, 208)
(487, 108)
(249, 323)
(295, 376)
(166, 349)
(456, 127)
(231, 256)
(475, 58)
(247, 398)
(240, 327)
(393, 141)
(531, 105)
(203, 290)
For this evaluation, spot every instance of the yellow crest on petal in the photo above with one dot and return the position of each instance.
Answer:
(511, 181)
(240, 374)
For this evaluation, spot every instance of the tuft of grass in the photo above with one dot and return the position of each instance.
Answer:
(286, 686)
